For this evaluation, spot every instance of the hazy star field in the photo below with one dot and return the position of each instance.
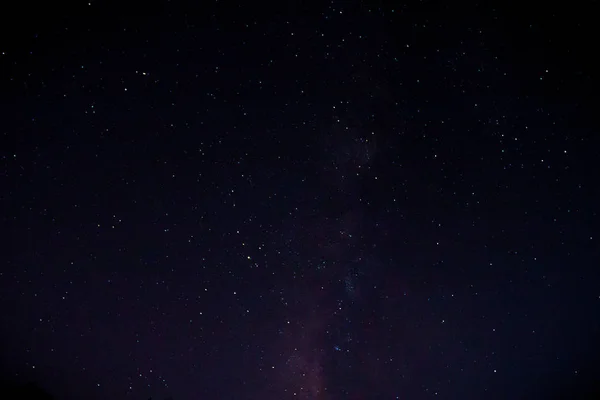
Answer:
(342, 200)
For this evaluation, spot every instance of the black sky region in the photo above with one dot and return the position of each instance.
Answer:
(293, 200)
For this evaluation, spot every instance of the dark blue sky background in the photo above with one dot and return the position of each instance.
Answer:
(349, 200)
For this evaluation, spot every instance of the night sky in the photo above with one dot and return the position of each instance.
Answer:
(340, 200)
